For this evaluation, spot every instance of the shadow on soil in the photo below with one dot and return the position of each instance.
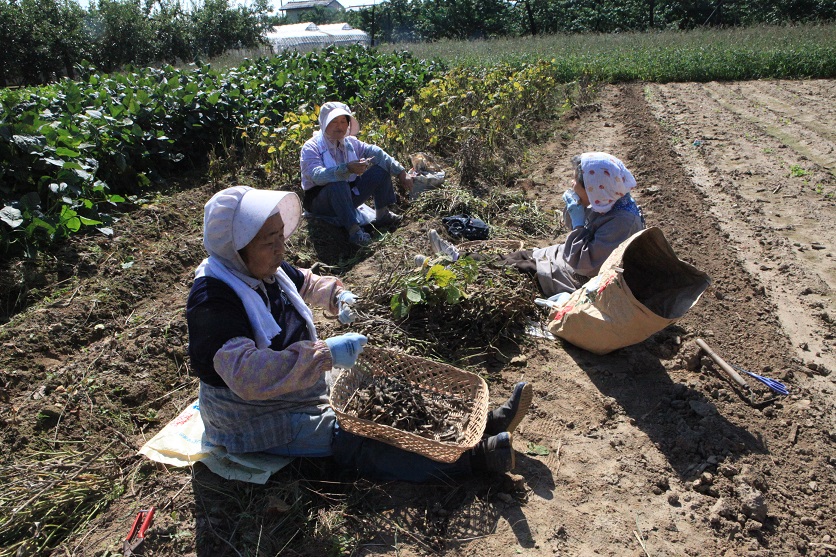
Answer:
(328, 245)
(679, 419)
(309, 509)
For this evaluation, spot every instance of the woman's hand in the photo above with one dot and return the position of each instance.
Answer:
(345, 300)
(359, 166)
(345, 348)
(576, 212)
(406, 181)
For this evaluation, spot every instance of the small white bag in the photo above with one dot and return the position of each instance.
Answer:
(424, 181)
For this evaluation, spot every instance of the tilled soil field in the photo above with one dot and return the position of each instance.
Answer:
(647, 451)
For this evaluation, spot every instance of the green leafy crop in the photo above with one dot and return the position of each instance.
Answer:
(437, 285)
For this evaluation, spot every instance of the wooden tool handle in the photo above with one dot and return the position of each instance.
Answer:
(730, 371)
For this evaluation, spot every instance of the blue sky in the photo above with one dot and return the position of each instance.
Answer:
(346, 3)
(277, 3)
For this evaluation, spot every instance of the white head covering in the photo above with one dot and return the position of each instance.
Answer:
(605, 179)
(331, 110)
(231, 219)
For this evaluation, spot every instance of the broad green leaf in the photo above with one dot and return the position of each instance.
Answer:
(453, 294)
(53, 161)
(535, 449)
(29, 143)
(64, 152)
(41, 223)
(440, 275)
(11, 216)
(31, 200)
(414, 295)
(73, 224)
(399, 309)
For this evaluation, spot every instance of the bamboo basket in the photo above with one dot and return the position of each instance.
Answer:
(425, 375)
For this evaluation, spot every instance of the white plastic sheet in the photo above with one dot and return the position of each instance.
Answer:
(182, 443)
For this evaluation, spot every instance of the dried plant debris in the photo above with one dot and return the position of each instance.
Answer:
(393, 402)
(449, 310)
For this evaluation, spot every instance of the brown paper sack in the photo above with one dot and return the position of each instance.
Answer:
(642, 288)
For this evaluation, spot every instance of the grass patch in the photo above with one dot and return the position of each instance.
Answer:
(803, 51)
(50, 496)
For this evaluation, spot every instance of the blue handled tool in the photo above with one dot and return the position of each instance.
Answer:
(731, 371)
(773, 384)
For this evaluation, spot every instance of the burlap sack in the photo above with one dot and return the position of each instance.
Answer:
(642, 288)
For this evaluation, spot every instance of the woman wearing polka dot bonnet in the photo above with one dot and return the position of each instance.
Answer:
(600, 214)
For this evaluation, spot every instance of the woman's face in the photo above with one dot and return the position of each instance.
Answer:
(337, 128)
(579, 189)
(265, 252)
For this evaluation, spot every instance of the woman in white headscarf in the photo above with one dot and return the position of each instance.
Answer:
(600, 214)
(263, 370)
(252, 339)
(340, 173)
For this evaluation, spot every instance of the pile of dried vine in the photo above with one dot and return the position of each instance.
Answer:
(391, 401)
(487, 302)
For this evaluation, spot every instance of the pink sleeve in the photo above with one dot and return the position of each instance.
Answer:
(262, 374)
(321, 291)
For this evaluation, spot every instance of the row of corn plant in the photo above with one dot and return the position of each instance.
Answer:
(759, 52)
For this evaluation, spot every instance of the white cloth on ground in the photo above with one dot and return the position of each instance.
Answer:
(182, 443)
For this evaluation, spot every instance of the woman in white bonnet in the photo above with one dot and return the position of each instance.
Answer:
(340, 173)
(600, 214)
(263, 370)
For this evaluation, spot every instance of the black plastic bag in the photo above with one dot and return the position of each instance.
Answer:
(464, 226)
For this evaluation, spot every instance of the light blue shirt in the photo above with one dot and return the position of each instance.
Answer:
(316, 173)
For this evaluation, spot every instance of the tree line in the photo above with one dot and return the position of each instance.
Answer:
(428, 20)
(44, 39)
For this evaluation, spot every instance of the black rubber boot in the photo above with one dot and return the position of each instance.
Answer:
(493, 454)
(508, 416)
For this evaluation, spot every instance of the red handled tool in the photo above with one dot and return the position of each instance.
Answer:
(137, 534)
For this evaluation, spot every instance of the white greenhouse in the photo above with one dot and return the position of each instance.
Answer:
(309, 36)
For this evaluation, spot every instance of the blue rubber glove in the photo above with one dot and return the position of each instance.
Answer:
(345, 348)
(573, 207)
(345, 300)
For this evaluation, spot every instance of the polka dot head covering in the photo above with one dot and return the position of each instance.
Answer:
(605, 179)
